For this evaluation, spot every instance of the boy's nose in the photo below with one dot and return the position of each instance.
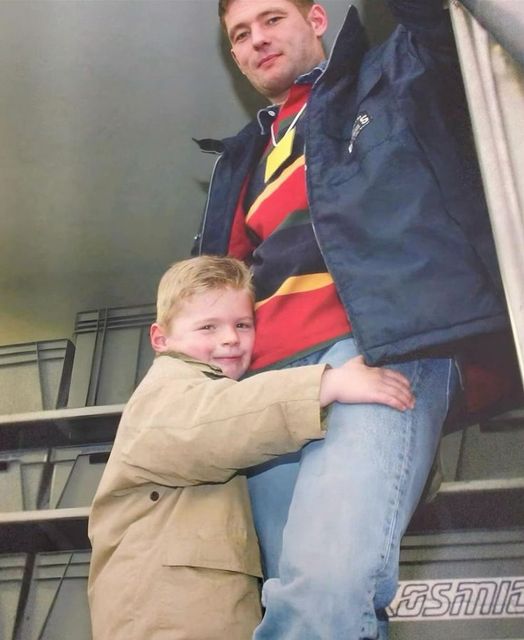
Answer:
(229, 335)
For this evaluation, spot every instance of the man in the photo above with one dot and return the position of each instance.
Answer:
(356, 200)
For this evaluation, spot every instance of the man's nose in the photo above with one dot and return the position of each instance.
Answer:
(258, 36)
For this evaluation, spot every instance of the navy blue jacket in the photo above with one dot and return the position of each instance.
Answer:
(394, 189)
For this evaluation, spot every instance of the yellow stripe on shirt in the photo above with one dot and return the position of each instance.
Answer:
(300, 284)
(273, 186)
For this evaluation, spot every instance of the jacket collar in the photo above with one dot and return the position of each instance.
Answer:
(353, 70)
(351, 43)
(211, 145)
(206, 368)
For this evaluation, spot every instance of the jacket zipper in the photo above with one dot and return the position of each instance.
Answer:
(204, 219)
(354, 334)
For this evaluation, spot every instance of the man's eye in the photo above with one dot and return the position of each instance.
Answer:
(240, 36)
(274, 19)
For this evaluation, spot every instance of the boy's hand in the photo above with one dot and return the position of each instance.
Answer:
(355, 382)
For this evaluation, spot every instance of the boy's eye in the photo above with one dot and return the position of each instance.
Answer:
(207, 327)
(244, 325)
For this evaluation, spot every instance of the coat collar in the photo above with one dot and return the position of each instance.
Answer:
(208, 369)
(352, 71)
(211, 145)
(351, 43)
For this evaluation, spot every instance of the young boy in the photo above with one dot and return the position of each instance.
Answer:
(175, 555)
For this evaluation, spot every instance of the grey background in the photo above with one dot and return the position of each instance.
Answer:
(101, 186)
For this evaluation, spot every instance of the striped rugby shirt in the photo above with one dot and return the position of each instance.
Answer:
(297, 306)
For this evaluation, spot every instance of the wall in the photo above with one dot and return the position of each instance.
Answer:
(102, 186)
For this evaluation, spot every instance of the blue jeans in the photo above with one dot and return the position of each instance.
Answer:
(330, 518)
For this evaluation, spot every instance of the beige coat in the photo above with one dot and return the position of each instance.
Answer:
(175, 555)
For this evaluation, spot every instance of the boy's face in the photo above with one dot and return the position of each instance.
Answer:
(216, 327)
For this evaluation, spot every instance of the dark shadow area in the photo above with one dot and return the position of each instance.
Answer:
(378, 20)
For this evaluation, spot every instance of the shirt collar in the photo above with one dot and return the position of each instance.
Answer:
(267, 115)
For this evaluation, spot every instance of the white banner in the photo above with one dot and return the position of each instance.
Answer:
(458, 599)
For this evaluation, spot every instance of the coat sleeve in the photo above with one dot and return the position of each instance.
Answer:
(184, 434)
(427, 20)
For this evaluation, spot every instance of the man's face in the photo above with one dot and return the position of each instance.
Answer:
(274, 42)
(215, 327)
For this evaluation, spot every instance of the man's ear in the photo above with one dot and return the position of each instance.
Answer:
(157, 337)
(318, 19)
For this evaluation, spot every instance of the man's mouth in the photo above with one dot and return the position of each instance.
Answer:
(267, 59)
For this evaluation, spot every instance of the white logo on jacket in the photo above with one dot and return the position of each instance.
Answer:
(361, 121)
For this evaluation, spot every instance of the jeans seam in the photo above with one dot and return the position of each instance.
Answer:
(403, 475)
(394, 503)
(452, 363)
(401, 478)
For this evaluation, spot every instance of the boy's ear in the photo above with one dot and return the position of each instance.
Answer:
(157, 338)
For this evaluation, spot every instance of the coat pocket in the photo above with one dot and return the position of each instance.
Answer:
(237, 551)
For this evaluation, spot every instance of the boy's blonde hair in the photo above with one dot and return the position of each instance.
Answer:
(198, 275)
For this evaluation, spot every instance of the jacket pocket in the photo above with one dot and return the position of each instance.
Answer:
(237, 551)
(372, 143)
(369, 126)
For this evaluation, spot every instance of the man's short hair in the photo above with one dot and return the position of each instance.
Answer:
(198, 275)
(223, 5)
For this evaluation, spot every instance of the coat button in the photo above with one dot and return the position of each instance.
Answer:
(154, 495)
